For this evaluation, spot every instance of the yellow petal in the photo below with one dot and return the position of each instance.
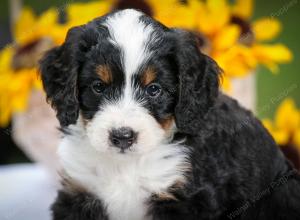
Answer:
(37, 27)
(227, 37)
(268, 124)
(280, 136)
(243, 8)
(273, 67)
(175, 14)
(19, 104)
(46, 22)
(58, 33)
(287, 116)
(277, 52)
(225, 83)
(270, 55)
(217, 5)
(38, 84)
(5, 111)
(266, 28)
(81, 13)
(6, 55)
(48, 17)
(24, 25)
(238, 61)
(213, 16)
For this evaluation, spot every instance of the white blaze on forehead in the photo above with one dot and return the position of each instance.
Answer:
(132, 36)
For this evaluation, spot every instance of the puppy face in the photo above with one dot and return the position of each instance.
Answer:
(126, 91)
(129, 81)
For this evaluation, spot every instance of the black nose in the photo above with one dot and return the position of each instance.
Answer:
(122, 137)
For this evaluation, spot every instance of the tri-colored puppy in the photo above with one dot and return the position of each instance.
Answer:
(148, 134)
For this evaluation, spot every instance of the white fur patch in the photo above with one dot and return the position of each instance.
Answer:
(124, 182)
(125, 114)
(131, 36)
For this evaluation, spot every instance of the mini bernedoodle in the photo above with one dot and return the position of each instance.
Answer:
(147, 134)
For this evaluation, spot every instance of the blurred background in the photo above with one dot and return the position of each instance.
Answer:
(255, 42)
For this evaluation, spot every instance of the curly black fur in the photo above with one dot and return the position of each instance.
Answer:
(237, 172)
(77, 206)
(198, 83)
(59, 70)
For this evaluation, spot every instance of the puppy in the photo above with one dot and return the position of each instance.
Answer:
(148, 135)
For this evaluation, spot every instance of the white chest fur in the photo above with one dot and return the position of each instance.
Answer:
(123, 182)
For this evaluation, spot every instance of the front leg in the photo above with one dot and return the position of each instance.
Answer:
(77, 206)
(169, 210)
(198, 205)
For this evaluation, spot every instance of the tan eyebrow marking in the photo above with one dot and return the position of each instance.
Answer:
(148, 76)
(104, 72)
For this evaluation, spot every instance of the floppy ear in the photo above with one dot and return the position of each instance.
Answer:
(198, 83)
(59, 69)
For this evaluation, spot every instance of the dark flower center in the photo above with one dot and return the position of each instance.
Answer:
(140, 5)
(247, 36)
(28, 55)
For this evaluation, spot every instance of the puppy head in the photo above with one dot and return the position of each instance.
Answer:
(129, 82)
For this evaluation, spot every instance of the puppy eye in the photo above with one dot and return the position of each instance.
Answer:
(153, 90)
(97, 87)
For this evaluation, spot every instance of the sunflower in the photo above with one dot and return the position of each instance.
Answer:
(30, 27)
(33, 35)
(286, 125)
(237, 45)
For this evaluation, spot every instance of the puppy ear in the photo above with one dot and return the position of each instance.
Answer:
(198, 83)
(59, 69)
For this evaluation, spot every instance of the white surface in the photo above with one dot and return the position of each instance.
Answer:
(244, 90)
(35, 131)
(26, 192)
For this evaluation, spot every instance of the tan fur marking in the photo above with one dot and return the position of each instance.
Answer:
(104, 72)
(177, 185)
(166, 196)
(148, 76)
(69, 184)
(166, 123)
(169, 194)
(84, 120)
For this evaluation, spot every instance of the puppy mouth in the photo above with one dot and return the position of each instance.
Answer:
(125, 150)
